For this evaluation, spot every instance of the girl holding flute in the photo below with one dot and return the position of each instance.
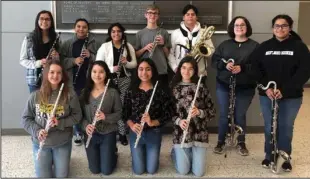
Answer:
(192, 155)
(145, 156)
(56, 151)
(101, 151)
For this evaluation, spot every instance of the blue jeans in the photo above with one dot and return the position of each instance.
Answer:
(59, 157)
(186, 159)
(243, 100)
(77, 127)
(33, 88)
(101, 153)
(288, 110)
(146, 155)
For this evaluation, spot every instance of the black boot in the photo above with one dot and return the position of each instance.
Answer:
(123, 139)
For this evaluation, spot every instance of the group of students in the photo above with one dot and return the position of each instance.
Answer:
(284, 59)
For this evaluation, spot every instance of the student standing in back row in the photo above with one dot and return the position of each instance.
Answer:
(120, 58)
(284, 59)
(144, 44)
(75, 57)
(36, 46)
(238, 47)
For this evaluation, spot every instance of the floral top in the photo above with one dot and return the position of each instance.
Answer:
(134, 106)
(197, 131)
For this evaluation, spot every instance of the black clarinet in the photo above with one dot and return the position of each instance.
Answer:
(83, 48)
(120, 65)
(39, 79)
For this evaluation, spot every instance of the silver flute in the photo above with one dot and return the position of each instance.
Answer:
(155, 42)
(146, 111)
(47, 127)
(98, 109)
(189, 115)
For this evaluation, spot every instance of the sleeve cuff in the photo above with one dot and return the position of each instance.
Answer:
(177, 121)
(202, 114)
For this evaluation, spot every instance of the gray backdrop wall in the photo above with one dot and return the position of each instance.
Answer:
(18, 19)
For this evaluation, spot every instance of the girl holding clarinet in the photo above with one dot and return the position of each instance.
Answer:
(145, 155)
(101, 151)
(121, 58)
(56, 143)
(190, 154)
(36, 46)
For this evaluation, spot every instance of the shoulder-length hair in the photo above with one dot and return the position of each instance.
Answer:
(178, 77)
(231, 27)
(90, 83)
(46, 88)
(135, 83)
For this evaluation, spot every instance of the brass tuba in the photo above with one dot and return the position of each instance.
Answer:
(201, 49)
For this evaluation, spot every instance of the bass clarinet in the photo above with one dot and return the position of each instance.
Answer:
(39, 80)
(278, 157)
(188, 119)
(47, 127)
(146, 111)
(234, 129)
(98, 109)
(83, 48)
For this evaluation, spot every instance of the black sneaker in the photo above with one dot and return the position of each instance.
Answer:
(219, 149)
(242, 150)
(286, 166)
(266, 163)
(77, 140)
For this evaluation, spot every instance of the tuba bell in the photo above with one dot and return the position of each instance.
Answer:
(201, 49)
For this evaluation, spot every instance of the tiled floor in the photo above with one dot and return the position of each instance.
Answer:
(17, 156)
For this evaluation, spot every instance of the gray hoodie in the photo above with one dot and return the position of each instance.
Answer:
(35, 117)
(67, 58)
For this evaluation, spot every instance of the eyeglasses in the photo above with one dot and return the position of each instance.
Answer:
(283, 26)
(239, 26)
(152, 13)
(44, 19)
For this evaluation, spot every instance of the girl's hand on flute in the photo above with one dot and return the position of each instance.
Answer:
(42, 135)
(53, 122)
(136, 128)
(183, 124)
(90, 129)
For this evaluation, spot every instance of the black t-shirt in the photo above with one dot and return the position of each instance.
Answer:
(43, 50)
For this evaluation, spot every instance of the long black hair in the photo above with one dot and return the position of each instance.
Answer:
(37, 33)
(109, 38)
(134, 86)
(290, 22)
(90, 83)
(178, 77)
